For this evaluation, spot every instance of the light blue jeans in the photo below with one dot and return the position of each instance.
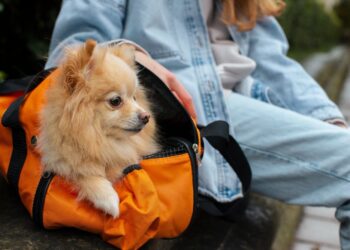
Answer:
(294, 158)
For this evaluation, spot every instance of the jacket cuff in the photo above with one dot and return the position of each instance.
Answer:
(327, 113)
(338, 122)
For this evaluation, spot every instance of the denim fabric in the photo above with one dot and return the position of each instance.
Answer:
(295, 158)
(265, 94)
(175, 34)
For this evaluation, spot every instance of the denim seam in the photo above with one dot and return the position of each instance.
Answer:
(295, 160)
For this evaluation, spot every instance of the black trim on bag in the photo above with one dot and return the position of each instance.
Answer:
(39, 198)
(154, 84)
(168, 152)
(19, 148)
(131, 168)
(18, 157)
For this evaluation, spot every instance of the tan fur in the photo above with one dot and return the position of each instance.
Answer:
(85, 139)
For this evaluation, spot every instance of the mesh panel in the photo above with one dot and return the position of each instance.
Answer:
(168, 151)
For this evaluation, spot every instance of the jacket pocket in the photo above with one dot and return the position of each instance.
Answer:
(263, 93)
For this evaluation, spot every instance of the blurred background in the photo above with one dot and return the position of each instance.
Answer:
(26, 26)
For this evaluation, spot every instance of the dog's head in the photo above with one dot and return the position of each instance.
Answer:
(102, 89)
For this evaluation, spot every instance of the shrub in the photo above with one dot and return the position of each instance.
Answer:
(308, 26)
(26, 28)
(343, 9)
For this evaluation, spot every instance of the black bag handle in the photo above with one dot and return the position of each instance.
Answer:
(217, 134)
(11, 120)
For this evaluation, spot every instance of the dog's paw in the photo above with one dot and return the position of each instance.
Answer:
(109, 203)
(100, 193)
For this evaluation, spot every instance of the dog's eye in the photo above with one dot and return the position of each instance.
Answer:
(115, 101)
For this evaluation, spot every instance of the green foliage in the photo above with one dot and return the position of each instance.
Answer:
(308, 26)
(26, 28)
(2, 76)
(343, 11)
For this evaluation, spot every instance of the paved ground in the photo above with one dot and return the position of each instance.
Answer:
(319, 229)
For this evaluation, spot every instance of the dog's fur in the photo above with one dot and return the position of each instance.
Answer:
(86, 139)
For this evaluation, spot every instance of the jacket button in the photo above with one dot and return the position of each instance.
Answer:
(33, 140)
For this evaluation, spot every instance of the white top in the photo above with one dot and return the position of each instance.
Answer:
(232, 67)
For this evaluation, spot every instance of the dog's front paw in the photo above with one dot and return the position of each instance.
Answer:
(109, 203)
(99, 191)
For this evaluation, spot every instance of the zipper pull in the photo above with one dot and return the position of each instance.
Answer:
(195, 149)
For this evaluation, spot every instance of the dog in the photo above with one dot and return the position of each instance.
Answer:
(96, 121)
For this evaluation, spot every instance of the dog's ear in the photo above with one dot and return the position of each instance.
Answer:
(96, 60)
(89, 47)
(78, 61)
(126, 52)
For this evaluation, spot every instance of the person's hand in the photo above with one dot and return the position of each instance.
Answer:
(169, 79)
(338, 122)
(341, 125)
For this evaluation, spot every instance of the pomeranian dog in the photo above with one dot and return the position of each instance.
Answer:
(96, 121)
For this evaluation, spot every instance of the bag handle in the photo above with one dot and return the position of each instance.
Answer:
(11, 120)
(217, 134)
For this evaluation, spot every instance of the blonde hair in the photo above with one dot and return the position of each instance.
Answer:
(245, 13)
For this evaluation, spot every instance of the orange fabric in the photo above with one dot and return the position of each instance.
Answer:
(5, 136)
(155, 201)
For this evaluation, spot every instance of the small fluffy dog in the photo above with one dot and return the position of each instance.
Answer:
(96, 121)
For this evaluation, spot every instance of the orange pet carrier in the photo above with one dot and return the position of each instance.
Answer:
(158, 197)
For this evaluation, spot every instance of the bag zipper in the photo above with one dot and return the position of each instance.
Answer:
(177, 148)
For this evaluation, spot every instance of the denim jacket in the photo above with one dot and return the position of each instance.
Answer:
(174, 33)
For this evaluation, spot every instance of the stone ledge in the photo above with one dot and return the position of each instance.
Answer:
(267, 224)
(256, 230)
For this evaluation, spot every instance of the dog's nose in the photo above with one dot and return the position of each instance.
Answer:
(144, 117)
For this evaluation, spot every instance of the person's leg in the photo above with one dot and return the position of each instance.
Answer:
(295, 158)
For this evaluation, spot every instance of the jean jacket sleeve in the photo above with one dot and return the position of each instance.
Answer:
(300, 92)
(79, 20)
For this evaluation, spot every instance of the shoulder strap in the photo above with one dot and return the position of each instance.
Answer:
(217, 134)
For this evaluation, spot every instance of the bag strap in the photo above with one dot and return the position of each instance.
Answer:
(11, 120)
(217, 134)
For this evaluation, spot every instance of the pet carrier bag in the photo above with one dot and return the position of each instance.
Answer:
(158, 197)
